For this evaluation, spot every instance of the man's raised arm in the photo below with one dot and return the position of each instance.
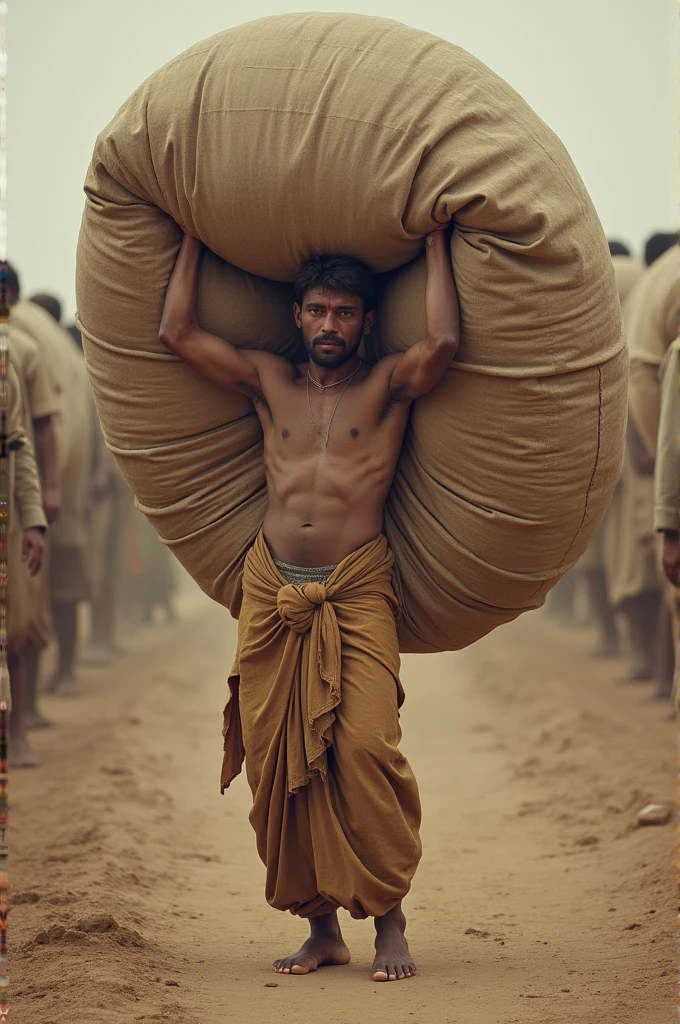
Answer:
(213, 357)
(424, 365)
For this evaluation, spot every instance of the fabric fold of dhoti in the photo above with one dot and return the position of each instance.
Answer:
(313, 708)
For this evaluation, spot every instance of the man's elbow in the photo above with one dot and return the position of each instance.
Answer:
(171, 338)
(445, 345)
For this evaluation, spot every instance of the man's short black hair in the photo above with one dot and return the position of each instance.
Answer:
(9, 283)
(339, 273)
(658, 244)
(618, 249)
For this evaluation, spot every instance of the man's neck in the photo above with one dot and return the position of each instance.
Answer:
(325, 376)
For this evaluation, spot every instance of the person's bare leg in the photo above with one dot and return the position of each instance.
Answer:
(324, 947)
(636, 611)
(33, 717)
(65, 619)
(20, 754)
(665, 654)
(603, 613)
(393, 962)
(101, 649)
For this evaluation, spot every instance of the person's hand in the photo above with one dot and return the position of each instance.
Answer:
(51, 503)
(671, 556)
(33, 549)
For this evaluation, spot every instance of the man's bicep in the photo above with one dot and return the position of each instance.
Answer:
(216, 359)
(421, 368)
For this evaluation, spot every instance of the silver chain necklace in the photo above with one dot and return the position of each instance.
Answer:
(309, 403)
(322, 387)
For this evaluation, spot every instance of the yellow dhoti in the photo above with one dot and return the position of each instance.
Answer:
(314, 702)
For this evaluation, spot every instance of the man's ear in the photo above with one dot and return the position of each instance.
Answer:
(369, 321)
(296, 313)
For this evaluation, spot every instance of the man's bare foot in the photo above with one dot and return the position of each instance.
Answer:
(393, 962)
(62, 686)
(20, 754)
(325, 947)
(36, 720)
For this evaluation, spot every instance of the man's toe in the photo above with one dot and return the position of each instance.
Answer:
(303, 966)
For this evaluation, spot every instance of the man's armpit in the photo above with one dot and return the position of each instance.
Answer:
(396, 398)
(256, 395)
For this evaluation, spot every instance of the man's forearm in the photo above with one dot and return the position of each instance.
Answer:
(442, 317)
(179, 310)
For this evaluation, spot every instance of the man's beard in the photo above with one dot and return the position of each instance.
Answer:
(328, 360)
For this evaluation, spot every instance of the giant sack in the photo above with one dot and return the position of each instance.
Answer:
(342, 132)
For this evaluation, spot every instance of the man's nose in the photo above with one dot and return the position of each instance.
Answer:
(330, 323)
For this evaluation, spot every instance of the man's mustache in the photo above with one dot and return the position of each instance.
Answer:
(328, 337)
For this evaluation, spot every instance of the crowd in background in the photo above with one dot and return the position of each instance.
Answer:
(85, 567)
(626, 582)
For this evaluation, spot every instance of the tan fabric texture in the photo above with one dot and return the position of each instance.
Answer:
(107, 526)
(40, 398)
(600, 555)
(348, 133)
(667, 465)
(25, 489)
(26, 618)
(75, 424)
(29, 617)
(314, 704)
(651, 327)
(627, 273)
(635, 569)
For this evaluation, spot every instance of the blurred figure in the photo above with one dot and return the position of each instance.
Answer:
(110, 509)
(656, 245)
(652, 328)
(667, 471)
(667, 492)
(26, 512)
(50, 304)
(111, 504)
(599, 563)
(651, 323)
(157, 584)
(29, 619)
(618, 249)
(69, 584)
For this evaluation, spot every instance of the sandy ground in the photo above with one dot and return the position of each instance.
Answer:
(137, 892)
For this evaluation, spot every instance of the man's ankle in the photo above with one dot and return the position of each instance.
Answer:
(326, 925)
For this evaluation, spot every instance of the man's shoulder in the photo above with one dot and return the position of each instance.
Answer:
(382, 370)
(271, 363)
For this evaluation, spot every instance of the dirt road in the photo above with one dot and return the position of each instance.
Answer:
(138, 895)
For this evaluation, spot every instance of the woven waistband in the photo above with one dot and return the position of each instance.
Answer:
(300, 574)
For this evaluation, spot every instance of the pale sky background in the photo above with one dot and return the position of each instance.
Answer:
(601, 73)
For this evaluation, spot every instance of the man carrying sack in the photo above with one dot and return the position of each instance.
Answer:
(315, 691)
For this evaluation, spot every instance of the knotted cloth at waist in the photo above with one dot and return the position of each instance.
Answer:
(302, 619)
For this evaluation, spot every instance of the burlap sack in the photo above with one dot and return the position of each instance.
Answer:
(349, 133)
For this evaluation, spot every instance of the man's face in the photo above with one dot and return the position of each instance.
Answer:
(332, 324)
